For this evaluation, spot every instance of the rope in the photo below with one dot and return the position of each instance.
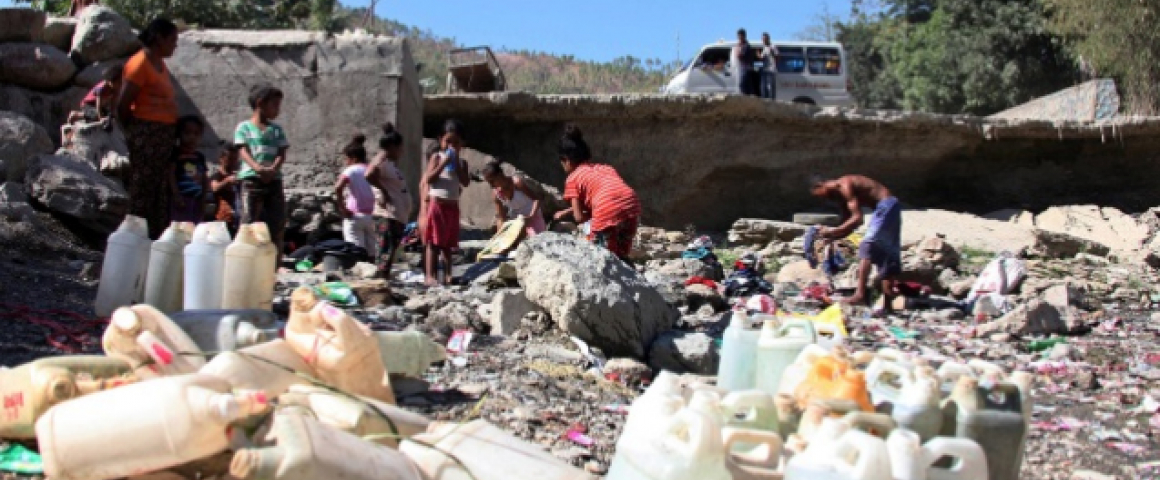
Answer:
(70, 338)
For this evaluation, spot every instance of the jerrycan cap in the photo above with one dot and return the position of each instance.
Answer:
(126, 320)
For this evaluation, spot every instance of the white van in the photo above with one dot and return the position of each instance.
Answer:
(807, 72)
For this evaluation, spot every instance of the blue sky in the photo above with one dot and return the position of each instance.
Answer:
(602, 29)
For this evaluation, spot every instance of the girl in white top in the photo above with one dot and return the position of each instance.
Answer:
(514, 198)
(356, 198)
(385, 167)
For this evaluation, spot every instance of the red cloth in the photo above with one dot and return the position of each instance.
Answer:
(699, 280)
(442, 225)
(604, 194)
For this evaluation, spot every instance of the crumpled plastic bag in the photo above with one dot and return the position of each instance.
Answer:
(338, 293)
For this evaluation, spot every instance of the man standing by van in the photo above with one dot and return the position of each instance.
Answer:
(768, 68)
(743, 59)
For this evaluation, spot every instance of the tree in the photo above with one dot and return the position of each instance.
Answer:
(824, 27)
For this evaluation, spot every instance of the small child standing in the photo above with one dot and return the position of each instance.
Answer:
(356, 199)
(224, 182)
(385, 167)
(263, 152)
(190, 179)
(443, 180)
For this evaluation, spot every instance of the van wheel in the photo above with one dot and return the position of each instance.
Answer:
(826, 219)
(805, 101)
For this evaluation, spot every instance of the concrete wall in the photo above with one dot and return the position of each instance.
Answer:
(1090, 101)
(709, 160)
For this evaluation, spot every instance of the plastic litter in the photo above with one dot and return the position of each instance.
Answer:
(338, 293)
(17, 459)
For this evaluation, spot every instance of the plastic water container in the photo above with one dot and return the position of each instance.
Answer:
(227, 330)
(750, 409)
(911, 397)
(912, 460)
(993, 418)
(125, 266)
(408, 353)
(816, 424)
(308, 449)
(154, 425)
(367, 418)
(832, 378)
(163, 282)
(687, 447)
(205, 266)
(738, 350)
(982, 367)
(31, 389)
(760, 460)
(949, 374)
(789, 416)
(487, 452)
(660, 401)
(270, 367)
(344, 352)
(265, 269)
(778, 347)
(147, 339)
(832, 460)
(240, 272)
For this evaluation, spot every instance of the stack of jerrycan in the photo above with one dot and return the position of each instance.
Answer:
(124, 268)
(150, 342)
(205, 258)
(163, 283)
(31, 389)
(480, 451)
(993, 412)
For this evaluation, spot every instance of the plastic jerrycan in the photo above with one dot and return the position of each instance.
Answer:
(912, 460)
(163, 281)
(660, 401)
(993, 418)
(265, 269)
(816, 424)
(689, 446)
(761, 460)
(778, 347)
(145, 338)
(240, 273)
(31, 389)
(800, 368)
(272, 367)
(750, 409)
(367, 418)
(308, 449)
(832, 460)
(738, 350)
(949, 374)
(155, 425)
(227, 330)
(205, 266)
(344, 352)
(914, 402)
(124, 267)
(485, 451)
(408, 353)
(982, 367)
(827, 380)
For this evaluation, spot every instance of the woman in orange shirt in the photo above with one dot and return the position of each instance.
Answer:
(147, 110)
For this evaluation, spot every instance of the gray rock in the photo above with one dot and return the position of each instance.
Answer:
(671, 288)
(592, 294)
(49, 110)
(103, 34)
(107, 150)
(21, 25)
(58, 32)
(755, 232)
(454, 316)
(93, 74)
(702, 296)
(508, 309)
(1051, 244)
(71, 186)
(20, 140)
(1033, 318)
(684, 352)
(684, 268)
(12, 193)
(35, 65)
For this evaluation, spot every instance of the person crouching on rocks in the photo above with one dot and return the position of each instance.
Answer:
(598, 195)
(882, 244)
(513, 198)
(444, 179)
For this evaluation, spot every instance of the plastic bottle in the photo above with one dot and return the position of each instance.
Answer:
(308, 449)
(265, 269)
(240, 272)
(1045, 344)
(145, 338)
(369, 419)
(487, 452)
(687, 447)
(832, 460)
(125, 266)
(759, 461)
(738, 350)
(993, 418)
(272, 367)
(205, 266)
(31, 389)
(912, 460)
(227, 330)
(163, 282)
(913, 399)
(154, 425)
(778, 348)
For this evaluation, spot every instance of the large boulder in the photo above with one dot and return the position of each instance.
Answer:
(1102, 225)
(21, 25)
(103, 34)
(50, 110)
(35, 65)
(508, 309)
(685, 352)
(1054, 244)
(72, 186)
(104, 149)
(1036, 317)
(20, 140)
(966, 230)
(58, 32)
(756, 232)
(592, 294)
(800, 273)
(93, 74)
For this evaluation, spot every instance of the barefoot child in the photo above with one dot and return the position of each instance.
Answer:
(224, 182)
(263, 152)
(513, 198)
(190, 174)
(598, 194)
(445, 177)
(356, 198)
(385, 167)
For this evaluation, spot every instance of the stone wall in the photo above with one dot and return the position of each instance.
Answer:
(709, 160)
(1090, 101)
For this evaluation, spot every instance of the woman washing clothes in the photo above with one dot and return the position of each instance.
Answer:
(596, 193)
(514, 198)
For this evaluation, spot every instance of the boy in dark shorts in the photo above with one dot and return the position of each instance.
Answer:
(263, 152)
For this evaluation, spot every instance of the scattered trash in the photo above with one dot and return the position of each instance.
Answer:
(17, 459)
(338, 293)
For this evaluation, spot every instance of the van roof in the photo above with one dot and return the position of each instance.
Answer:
(790, 43)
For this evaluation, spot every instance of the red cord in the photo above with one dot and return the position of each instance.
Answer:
(72, 338)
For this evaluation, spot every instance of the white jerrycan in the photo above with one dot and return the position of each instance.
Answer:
(272, 367)
(759, 460)
(660, 401)
(856, 455)
(912, 460)
(480, 451)
(738, 350)
(949, 374)
(384, 423)
(265, 268)
(205, 266)
(750, 409)
(797, 371)
(240, 273)
(982, 367)
(914, 401)
(166, 258)
(689, 446)
(149, 341)
(778, 347)
(125, 266)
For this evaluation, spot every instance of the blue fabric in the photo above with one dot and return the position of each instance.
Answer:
(188, 168)
(808, 245)
(883, 241)
(696, 253)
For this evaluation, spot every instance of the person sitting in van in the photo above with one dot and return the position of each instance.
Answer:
(743, 59)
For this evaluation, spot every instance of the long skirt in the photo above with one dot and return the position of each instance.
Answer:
(147, 178)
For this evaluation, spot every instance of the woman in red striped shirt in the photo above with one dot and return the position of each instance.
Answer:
(598, 194)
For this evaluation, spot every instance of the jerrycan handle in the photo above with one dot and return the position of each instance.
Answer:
(767, 456)
(1003, 396)
(701, 441)
(905, 376)
(862, 443)
(969, 459)
(804, 326)
(878, 424)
